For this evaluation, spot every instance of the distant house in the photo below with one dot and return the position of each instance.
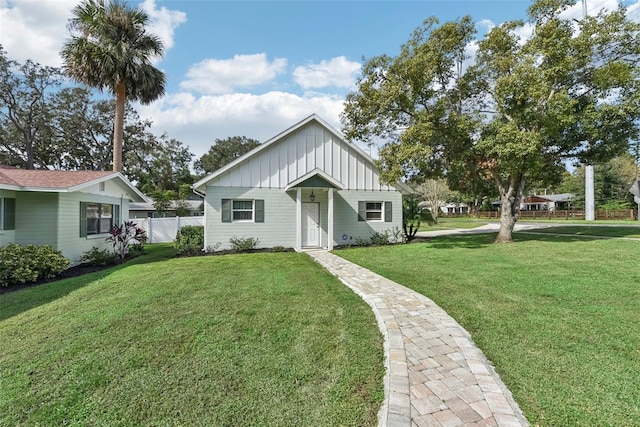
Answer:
(147, 210)
(69, 210)
(453, 208)
(547, 202)
(305, 188)
(448, 208)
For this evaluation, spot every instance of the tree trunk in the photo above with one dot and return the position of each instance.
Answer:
(509, 209)
(118, 127)
(508, 219)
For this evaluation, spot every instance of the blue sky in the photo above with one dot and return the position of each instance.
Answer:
(254, 68)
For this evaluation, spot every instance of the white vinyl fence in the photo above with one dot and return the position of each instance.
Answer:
(161, 230)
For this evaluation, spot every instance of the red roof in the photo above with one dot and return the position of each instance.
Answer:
(48, 178)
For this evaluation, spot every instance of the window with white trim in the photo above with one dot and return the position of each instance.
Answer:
(242, 210)
(375, 211)
(97, 218)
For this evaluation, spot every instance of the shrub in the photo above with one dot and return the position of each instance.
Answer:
(136, 250)
(23, 264)
(244, 244)
(190, 240)
(122, 236)
(380, 237)
(396, 235)
(362, 241)
(278, 249)
(95, 256)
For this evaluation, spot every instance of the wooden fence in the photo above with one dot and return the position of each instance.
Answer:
(621, 214)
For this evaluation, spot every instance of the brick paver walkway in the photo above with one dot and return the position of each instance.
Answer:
(436, 376)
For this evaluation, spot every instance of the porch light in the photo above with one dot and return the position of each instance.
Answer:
(312, 196)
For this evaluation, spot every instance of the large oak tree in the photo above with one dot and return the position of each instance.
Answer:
(224, 151)
(111, 49)
(569, 90)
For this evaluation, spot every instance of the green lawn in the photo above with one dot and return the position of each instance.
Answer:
(593, 230)
(448, 223)
(260, 339)
(558, 316)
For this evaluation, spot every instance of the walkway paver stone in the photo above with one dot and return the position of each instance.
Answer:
(436, 375)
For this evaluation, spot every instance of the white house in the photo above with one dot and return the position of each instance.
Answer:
(305, 188)
(69, 210)
(547, 202)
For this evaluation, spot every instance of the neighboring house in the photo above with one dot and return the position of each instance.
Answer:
(69, 210)
(147, 210)
(547, 202)
(453, 208)
(447, 208)
(305, 188)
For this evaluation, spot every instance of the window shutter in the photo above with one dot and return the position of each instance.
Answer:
(362, 211)
(116, 214)
(83, 219)
(9, 214)
(388, 212)
(259, 210)
(226, 210)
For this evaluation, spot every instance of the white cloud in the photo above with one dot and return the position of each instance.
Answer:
(36, 30)
(338, 72)
(220, 76)
(165, 21)
(198, 121)
(486, 25)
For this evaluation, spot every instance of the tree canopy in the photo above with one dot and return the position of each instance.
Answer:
(25, 111)
(111, 49)
(569, 90)
(46, 126)
(224, 151)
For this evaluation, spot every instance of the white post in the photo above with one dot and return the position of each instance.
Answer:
(330, 219)
(298, 219)
(589, 194)
(150, 234)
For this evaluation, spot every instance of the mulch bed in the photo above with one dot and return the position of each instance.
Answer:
(75, 271)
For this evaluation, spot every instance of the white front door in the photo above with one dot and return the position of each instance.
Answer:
(310, 224)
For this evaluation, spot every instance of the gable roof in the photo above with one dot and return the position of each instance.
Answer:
(315, 173)
(200, 186)
(58, 181)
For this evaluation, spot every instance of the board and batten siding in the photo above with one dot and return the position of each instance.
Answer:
(311, 147)
(278, 228)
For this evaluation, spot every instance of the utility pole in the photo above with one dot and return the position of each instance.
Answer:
(589, 192)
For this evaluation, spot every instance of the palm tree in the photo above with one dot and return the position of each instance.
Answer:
(111, 49)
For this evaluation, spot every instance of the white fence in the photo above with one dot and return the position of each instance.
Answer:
(161, 230)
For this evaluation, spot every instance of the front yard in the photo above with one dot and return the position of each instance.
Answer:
(559, 316)
(260, 339)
